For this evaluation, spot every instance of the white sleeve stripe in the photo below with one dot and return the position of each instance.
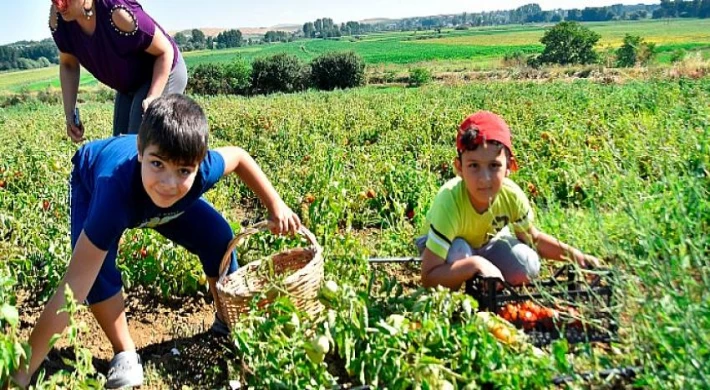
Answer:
(438, 241)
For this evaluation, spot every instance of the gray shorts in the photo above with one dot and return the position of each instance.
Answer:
(128, 108)
(518, 262)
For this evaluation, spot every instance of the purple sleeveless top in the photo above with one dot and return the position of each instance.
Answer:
(115, 58)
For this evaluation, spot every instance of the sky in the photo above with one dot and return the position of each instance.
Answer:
(27, 19)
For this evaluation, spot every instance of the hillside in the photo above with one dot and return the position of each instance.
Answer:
(213, 31)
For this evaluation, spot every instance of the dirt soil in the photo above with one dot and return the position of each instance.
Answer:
(160, 328)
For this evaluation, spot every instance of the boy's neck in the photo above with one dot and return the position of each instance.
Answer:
(479, 208)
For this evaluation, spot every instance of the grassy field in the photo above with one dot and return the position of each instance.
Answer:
(621, 171)
(474, 49)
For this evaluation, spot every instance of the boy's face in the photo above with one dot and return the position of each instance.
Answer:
(483, 171)
(165, 182)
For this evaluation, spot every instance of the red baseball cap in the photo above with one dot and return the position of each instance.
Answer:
(491, 127)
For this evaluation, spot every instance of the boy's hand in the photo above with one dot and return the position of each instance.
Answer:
(487, 270)
(585, 261)
(283, 220)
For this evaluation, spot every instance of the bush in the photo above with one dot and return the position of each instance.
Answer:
(338, 70)
(206, 79)
(634, 51)
(215, 79)
(678, 55)
(419, 76)
(237, 77)
(278, 73)
(515, 59)
(569, 43)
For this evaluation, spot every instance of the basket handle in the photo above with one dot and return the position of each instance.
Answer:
(263, 225)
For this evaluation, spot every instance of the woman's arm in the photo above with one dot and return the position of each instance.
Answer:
(69, 73)
(161, 48)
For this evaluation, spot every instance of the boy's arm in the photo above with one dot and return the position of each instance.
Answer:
(237, 160)
(83, 268)
(437, 272)
(551, 248)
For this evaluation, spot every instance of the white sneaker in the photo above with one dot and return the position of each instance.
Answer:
(125, 370)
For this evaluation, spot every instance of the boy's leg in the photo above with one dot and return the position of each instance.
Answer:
(111, 316)
(459, 249)
(518, 262)
(203, 231)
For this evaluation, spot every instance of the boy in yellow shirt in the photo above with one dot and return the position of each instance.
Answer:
(468, 228)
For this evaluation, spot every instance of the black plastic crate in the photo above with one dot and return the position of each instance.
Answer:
(568, 288)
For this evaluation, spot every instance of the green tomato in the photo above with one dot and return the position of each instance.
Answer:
(330, 290)
(292, 325)
(317, 348)
(445, 385)
(396, 321)
(321, 344)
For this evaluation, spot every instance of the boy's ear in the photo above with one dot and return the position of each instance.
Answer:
(140, 151)
(457, 165)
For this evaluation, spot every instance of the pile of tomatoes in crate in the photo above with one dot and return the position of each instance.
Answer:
(530, 315)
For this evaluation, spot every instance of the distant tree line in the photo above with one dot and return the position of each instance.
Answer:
(326, 28)
(683, 9)
(529, 13)
(28, 55)
(197, 40)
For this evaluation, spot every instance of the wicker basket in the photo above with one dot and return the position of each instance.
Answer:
(235, 291)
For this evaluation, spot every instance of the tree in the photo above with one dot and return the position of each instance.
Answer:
(569, 43)
(634, 51)
(279, 73)
(180, 39)
(229, 38)
(337, 70)
(309, 30)
(198, 38)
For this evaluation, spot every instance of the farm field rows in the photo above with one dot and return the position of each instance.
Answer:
(619, 170)
(477, 47)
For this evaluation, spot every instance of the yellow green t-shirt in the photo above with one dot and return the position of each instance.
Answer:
(451, 215)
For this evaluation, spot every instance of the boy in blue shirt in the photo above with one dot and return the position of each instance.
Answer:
(155, 179)
(481, 222)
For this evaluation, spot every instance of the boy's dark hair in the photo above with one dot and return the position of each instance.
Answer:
(471, 140)
(177, 125)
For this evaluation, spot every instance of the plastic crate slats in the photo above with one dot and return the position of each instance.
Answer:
(562, 287)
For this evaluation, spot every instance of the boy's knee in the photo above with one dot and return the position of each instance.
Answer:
(214, 251)
(459, 249)
(529, 264)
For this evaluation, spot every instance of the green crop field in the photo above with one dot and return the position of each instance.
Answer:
(619, 170)
(477, 48)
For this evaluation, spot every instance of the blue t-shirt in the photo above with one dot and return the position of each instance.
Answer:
(110, 172)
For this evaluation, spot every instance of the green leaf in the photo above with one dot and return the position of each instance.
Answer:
(9, 314)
